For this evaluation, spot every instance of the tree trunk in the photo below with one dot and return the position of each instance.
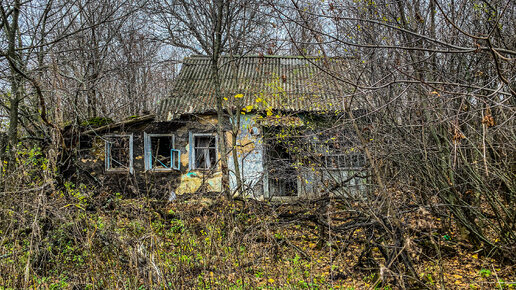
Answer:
(16, 96)
(217, 51)
(220, 128)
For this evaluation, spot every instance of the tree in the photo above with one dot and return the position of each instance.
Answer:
(97, 66)
(214, 28)
(24, 31)
(434, 78)
(62, 59)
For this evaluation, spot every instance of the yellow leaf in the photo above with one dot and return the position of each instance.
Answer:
(271, 280)
(475, 256)
(239, 96)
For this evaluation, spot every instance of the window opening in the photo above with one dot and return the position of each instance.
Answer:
(160, 153)
(119, 153)
(341, 161)
(205, 151)
(340, 151)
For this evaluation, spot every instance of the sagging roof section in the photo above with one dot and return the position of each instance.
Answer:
(261, 83)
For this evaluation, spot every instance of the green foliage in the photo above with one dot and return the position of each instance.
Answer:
(177, 226)
(484, 273)
(29, 167)
(78, 195)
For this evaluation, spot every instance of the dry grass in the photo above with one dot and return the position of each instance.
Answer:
(70, 239)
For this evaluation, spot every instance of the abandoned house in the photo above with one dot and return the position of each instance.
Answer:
(283, 141)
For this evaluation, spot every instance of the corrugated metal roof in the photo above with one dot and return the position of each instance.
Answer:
(263, 83)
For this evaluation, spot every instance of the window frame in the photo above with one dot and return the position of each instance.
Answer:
(192, 157)
(348, 161)
(107, 153)
(344, 150)
(147, 152)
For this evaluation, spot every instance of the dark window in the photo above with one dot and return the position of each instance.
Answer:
(160, 150)
(339, 150)
(342, 164)
(280, 157)
(160, 153)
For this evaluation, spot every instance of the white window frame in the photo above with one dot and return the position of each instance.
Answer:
(191, 163)
(174, 164)
(107, 153)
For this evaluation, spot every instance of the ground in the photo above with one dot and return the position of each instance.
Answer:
(210, 242)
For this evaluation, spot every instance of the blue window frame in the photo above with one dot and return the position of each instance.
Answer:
(203, 151)
(160, 153)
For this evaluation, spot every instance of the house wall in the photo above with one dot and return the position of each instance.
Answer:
(194, 180)
(91, 163)
(250, 148)
(161, 184)
(312, 178)
(250, 152)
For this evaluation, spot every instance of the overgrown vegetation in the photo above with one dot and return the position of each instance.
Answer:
(436, 81)
(76, 236)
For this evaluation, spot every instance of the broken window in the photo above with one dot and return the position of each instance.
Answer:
(119, 153)
(160, 152)
(280, 161)
(204, 151)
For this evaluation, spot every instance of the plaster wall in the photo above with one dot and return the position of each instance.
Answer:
(250, 151)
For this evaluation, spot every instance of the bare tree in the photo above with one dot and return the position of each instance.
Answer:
(214, 28)
(24, 30)
(439, 85)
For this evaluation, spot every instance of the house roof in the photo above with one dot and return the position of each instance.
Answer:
(258, 83)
